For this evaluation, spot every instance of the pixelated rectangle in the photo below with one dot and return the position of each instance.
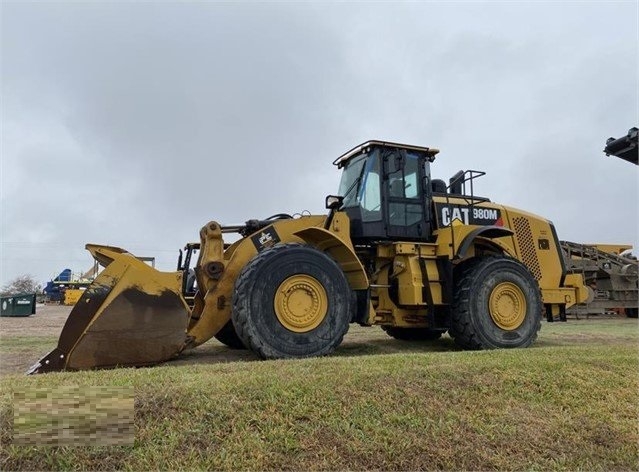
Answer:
(74, 416)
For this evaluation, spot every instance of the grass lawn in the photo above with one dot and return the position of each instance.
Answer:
(569, 402)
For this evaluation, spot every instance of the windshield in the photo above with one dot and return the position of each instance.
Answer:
(350, 180)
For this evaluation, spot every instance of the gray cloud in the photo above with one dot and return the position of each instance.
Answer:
(136, 123)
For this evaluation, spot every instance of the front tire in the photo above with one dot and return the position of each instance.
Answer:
(291, 301)
(497, 304)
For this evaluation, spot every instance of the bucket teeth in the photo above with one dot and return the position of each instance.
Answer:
(52, 362)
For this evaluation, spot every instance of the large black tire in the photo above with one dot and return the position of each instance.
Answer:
(306, 275)
(497, 304)
(413, 334)
(632, 312)
(229, 337)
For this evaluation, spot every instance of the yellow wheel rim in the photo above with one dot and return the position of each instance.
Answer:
(507, 306)
(300, 303)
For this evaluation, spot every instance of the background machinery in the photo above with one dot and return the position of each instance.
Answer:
(67, 287)
(610, 271)
(613, 277)
(397, 249)
(626, 147)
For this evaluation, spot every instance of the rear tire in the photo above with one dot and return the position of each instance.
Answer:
(229, 337)
(497, 304)
(292, 301)
(413, 334)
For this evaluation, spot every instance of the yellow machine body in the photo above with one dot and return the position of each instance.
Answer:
(218, 269)
(133, 314)
(520, 235)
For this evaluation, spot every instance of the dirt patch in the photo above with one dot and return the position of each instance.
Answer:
(24, 340)
(47, 321)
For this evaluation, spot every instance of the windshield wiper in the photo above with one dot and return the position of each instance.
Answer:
(350, 189)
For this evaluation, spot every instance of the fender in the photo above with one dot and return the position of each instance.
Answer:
(487, 232)
(340, 251)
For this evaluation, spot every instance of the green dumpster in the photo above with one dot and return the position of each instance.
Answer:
(23, 304)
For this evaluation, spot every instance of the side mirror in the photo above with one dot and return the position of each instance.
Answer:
(334, 202)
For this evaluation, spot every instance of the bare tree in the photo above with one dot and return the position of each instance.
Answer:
(21, 284)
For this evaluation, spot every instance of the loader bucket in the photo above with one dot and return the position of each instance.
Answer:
(131, 315)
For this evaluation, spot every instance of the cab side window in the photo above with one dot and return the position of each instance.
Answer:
(405, 206)
(370, 199)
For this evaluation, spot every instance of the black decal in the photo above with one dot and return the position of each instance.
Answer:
(265, 238)
(543, 244)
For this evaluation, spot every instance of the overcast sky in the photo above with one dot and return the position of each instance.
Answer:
(134, 124)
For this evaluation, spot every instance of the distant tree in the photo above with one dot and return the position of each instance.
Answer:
(21, 284)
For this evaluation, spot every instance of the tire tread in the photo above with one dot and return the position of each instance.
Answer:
(462, 330)
(245, 330)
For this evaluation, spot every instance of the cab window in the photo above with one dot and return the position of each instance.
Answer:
(370, 195)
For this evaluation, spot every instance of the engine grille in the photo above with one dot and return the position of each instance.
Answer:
(526, 246)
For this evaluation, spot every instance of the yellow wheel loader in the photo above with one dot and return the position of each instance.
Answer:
(397, 249)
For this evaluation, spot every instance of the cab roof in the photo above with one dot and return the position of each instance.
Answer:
(341, 160)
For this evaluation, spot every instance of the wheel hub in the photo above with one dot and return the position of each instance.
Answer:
(300, 303)
(507, 306)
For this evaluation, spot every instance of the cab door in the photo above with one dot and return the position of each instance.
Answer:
(406, 196)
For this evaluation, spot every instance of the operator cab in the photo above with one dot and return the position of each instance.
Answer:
(386, 191)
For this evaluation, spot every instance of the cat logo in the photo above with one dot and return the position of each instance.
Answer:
(468, 215)
(455, 213)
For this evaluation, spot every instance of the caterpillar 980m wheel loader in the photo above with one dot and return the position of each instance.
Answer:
(397, 249)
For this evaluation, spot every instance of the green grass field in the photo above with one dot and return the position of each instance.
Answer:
(568, 403)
